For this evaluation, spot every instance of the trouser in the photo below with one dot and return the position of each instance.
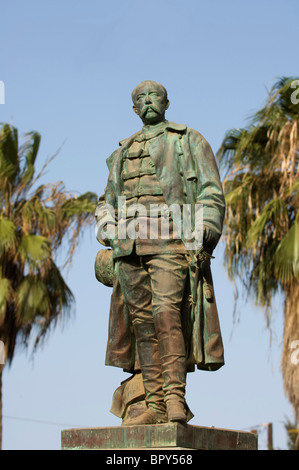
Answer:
(153, 288)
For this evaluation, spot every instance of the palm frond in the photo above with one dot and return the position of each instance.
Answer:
(34, 249)
(9, 160)
(287, 255)
(32, 298)
(7, 233)
(29, 151)
(267, 222)
(5, 293)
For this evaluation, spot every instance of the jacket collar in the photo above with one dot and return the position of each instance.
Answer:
(148, 132)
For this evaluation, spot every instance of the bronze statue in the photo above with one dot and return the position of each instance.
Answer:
(163, 316)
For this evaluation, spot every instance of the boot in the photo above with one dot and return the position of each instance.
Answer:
(176, 410)
(174, 375)
(149, 416)
(149, 357)
(154, 398)
(173, 364)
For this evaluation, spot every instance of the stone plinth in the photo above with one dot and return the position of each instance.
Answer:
(169, 436)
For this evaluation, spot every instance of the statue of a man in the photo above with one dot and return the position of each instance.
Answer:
(163, 316)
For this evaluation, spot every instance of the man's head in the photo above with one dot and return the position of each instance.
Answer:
(150, 102)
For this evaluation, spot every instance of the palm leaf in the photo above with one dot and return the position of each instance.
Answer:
(271, 213)
(7, 233)
(287, 255)
(32, 298)
(5, 293)
(29, 151)
(9, 160)
(34, 249)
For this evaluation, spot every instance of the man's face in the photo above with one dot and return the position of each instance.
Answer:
(150, 103)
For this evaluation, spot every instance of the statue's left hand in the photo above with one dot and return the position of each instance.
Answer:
(210, 239)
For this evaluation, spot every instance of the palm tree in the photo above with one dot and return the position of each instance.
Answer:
(35, 219)
(261, 183)
(292, 433)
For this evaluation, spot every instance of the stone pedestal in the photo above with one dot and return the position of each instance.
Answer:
(170, 436)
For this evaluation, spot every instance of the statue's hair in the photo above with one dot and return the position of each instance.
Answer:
(156, 84)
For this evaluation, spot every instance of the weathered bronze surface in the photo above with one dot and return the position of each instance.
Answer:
(163, 316)
(161, 436)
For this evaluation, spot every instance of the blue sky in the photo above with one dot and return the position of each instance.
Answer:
(69, 68)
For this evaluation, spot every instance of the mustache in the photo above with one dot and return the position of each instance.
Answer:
(149, 106)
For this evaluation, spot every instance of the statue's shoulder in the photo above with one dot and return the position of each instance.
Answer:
(128, 140)
(197, 142)
(122, 143)
(183, 129)
(173, 126)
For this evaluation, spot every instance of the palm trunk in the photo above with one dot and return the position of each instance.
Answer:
(290, 354)
(1, 369)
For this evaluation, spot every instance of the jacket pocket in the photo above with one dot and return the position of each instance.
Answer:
(191, 175)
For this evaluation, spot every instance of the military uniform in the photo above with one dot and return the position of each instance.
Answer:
(145, 220)
(168, 164)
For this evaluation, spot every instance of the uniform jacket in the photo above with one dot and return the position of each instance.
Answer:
(188, 174)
